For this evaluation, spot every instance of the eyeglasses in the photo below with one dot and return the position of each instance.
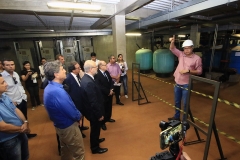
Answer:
(95, 67)
(14, 80)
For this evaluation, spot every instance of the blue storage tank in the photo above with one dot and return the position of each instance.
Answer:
(235, 60)
(145, 58)
(163, 62)
(206, 58)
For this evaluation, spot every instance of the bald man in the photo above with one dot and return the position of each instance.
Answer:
(105, 83)
(93, 106)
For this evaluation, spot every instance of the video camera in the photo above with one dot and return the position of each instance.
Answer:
(172, 132)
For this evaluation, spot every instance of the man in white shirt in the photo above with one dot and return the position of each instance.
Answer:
(94, 58)
(15, 90)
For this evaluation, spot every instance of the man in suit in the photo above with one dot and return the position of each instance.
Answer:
(93, 107)
(75, 90)
(104, 81)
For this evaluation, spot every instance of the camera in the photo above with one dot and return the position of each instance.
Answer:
(171, 133)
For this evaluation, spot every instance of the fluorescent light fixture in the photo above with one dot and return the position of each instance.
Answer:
(133, 34)
(236, 35)
(181, 36)
(39, 30)
(103, 1)
(183, 26)
(73, 6)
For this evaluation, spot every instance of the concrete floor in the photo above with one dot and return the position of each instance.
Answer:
(135, 134)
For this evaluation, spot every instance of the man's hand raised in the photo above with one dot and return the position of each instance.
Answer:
(172, 39)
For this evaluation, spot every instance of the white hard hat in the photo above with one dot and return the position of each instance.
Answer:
(187, 43)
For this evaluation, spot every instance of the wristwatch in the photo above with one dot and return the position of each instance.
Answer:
(26, 121)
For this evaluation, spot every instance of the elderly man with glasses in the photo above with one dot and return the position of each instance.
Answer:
(105, 83)
(93, 108)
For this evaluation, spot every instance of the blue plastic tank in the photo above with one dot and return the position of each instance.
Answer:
(145, 58)
(235, 60)
(163, 62)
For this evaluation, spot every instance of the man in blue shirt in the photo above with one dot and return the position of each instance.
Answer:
(13, 126)
(63, 112)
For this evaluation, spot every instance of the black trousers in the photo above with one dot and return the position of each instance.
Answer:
(94, 134)
(23, 108)
(34, 95)
(107, 109)
(117, 93)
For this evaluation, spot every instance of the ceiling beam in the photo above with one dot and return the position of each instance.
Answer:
(123, 8)
(178, 31)
(40, 19)
(141, 13)
(178, 12)
(4, 35)
(71, 20)
(7, 26)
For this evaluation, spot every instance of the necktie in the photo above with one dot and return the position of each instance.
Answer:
(79, 81)
(106, 76)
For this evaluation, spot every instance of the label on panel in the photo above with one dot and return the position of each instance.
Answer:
(47, 53)
(25, 55)
(87, 52)
(237, 54)
(69, 55)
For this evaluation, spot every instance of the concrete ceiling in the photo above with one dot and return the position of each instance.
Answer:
(20, 16)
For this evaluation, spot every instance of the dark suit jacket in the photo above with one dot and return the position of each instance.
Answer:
(75, 91)
(93, 101)
(103, 83)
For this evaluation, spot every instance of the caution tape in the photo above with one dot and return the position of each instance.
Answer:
(195, 118)
(202, 94)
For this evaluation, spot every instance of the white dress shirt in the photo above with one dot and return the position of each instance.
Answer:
(16, 92)
(42, 75)
(76, 78)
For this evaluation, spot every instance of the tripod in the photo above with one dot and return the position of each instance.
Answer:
(168, 155)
